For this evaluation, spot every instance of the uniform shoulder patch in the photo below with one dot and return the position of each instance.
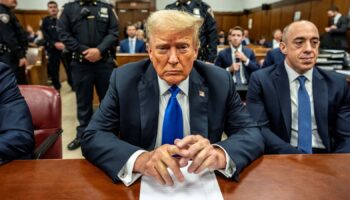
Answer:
(4, 18)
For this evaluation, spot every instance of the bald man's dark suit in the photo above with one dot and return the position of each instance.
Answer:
(268, 100)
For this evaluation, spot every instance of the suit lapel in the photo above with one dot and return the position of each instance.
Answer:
(198, 100)
(281, 83)
(148, 91)
(229, 56)
(320, 97)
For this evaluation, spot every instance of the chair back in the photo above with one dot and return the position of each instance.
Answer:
(45, 106)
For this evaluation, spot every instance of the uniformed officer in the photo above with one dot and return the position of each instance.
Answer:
(89, 29)
(13, 40)
(54, 46)
(208, 33)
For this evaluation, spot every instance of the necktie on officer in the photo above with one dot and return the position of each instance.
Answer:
(304, 118)
(172, 124)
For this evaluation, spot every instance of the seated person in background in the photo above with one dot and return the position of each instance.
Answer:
(273, 56)
(262, 41)
(275, 43)
(246, 40)
(140, 35)
(171, 104)
(31, 35)
(132, 44)
(237, 59)
(301, 108)
(16, 128)
(336, 33)
(222, 38)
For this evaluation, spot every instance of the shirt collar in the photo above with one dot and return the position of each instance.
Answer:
(292, 74)
(164, 86)
(233, 49)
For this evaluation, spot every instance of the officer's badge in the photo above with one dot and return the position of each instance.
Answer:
(5, 18)
(104, 12)
(196, 12)
(211, 12)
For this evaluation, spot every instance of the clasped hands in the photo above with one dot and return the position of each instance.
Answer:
(193, 147)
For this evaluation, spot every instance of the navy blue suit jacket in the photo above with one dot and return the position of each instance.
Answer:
(268, 100)
(274, 56)
(224, 60)
(127, 118)
(16, 128)
(140, 46)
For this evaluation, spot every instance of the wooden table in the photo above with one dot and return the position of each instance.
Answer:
(304, 177)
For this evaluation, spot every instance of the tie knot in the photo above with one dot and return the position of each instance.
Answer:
(302, 80)
(174, 90)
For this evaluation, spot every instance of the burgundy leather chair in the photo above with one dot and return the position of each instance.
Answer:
(45, 106)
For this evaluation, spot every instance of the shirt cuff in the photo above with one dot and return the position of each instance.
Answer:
(125, 174)
(230, 168)
(247, 62)
(228, 69)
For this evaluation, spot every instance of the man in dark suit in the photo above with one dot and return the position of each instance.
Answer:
(301, 108)
(273, 56)
(16, 128)
(239, 60)
(162, 112)
(335, 36)
(132, 44)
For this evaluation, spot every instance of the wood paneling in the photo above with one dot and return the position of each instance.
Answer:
(304, 8)
(31, 17)
(318, 14)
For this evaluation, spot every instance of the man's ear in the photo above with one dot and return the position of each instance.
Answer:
(283, 48)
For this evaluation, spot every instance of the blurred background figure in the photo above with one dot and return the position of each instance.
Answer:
(276, 40)
(13, 41)
(132, 44)
(208, 33)
(335, 36)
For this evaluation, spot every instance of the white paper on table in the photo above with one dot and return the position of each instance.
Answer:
(203, 186)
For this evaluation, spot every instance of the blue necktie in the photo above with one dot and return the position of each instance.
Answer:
(304, 118)
(131, 46)
(172, 124)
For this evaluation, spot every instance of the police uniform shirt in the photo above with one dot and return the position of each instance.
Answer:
(13, 38)
(84, 25)
(49, 30)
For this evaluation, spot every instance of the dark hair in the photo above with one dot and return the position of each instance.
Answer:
(237, 28)
(52, 2)
(333, 8)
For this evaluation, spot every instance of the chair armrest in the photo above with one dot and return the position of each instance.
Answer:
(48, 142)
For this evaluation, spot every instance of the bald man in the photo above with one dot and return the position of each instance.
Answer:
(301, 108)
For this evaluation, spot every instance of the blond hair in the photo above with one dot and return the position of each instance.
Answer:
(173, 21)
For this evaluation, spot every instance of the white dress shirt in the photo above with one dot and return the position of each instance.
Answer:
(125, 174)
(241, 67)
(294, 87)
(336, 18)
(275, 44)
(132, 41)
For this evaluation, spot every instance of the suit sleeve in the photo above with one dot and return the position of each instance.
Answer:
(111, 39)
(252, 62)
(255, 106)
(342, 137)
(342, 26)
(16, 129)
(220, 61)
(244, 143)
(100, 143)
(268, 60)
